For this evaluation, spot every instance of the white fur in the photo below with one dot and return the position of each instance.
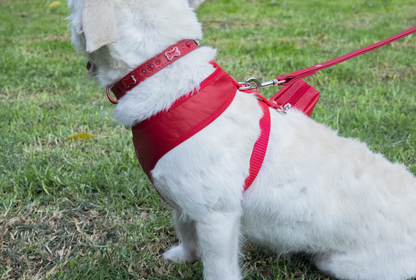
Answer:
(99, 24)
(316, 192)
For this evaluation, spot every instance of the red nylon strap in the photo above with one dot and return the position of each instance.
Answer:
(260, 147)
(299, 74)
(152, 66)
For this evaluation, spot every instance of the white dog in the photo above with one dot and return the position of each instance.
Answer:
(316, 192)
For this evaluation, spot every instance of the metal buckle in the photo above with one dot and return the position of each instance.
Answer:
(282, 109)
(287, 107)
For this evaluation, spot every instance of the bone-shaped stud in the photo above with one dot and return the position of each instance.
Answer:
(129, 81)
(171, 54)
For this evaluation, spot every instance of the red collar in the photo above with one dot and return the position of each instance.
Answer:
(151, 67)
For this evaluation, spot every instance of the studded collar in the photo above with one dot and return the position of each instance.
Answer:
(151, 67)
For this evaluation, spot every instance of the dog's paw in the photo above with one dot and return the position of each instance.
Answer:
(178, 255)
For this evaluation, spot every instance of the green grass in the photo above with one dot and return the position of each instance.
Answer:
(84, 209)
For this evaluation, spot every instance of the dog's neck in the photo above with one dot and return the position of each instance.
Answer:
(144, 30)
(158, 92)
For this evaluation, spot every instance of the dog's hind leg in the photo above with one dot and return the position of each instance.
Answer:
(218, 236)
(187, 250)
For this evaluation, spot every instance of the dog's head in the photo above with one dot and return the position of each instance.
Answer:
(122, 33)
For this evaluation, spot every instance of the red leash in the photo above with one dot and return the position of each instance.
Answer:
(288, 79)
(298, 94)
(299, 74)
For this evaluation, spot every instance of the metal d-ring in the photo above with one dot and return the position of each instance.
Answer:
(110, 98)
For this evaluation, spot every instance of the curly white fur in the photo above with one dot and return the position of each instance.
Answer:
(316, 192)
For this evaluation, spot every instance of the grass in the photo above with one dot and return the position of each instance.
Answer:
(84, 209)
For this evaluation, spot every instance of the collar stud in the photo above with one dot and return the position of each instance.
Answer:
(129, 81)
(173, 53)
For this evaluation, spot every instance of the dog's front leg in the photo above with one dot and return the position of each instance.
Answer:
(187, 250)
(218, 236)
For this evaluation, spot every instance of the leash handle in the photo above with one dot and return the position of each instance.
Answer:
(306, 72)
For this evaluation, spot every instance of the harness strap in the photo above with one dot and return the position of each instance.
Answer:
(306, 72)
(260, 147)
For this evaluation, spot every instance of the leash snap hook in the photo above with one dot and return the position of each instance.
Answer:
(256, 84)
(251, 83)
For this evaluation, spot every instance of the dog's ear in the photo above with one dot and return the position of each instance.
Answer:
(99, 23)
(195, 3)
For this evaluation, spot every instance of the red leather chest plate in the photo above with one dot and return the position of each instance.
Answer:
(156, 136)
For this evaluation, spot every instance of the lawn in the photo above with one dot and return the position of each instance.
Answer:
(83, 209)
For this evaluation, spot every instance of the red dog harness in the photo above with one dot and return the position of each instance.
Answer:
(157, 135)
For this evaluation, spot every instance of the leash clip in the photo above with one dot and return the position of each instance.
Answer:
(256, 84)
